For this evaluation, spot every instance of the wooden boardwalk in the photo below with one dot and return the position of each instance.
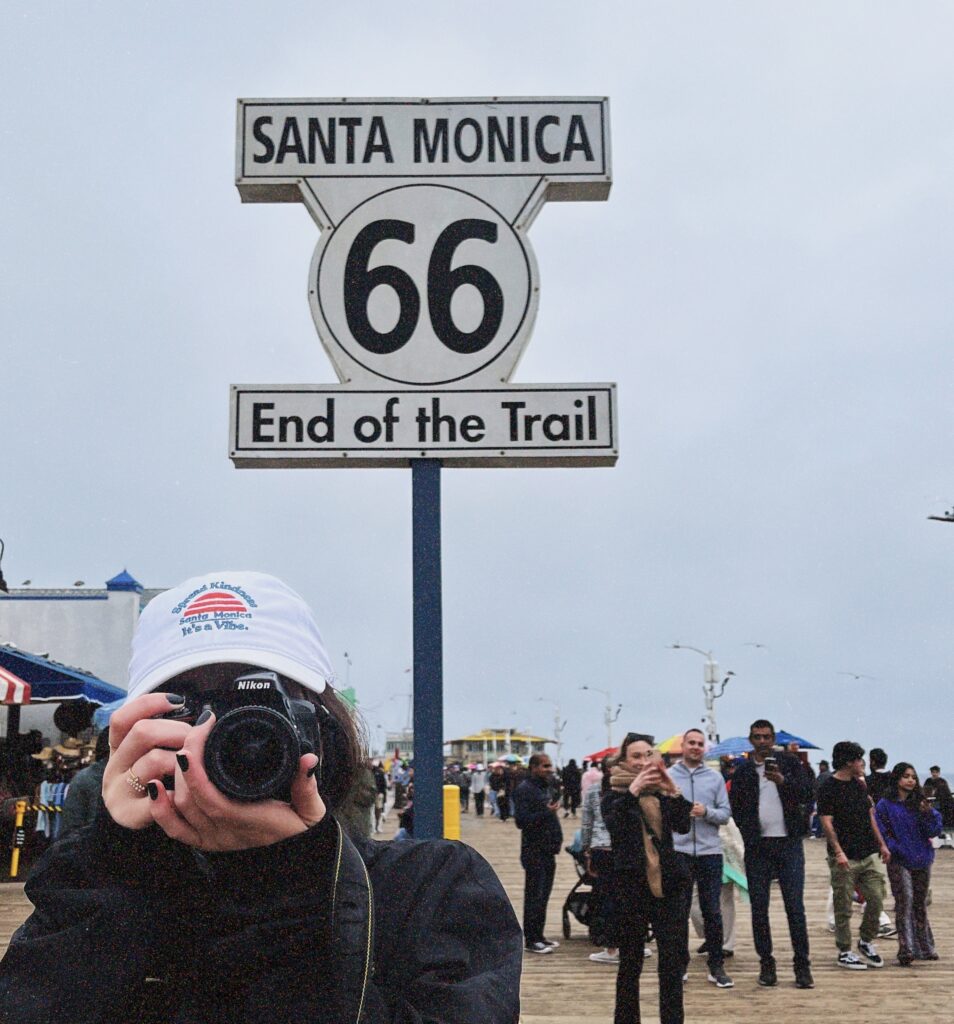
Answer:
(566, 988)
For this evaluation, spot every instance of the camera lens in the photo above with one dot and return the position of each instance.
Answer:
(252, 754)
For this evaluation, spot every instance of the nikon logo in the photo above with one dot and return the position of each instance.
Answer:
(253, 685)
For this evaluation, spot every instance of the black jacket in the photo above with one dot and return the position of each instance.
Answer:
(623, 819)
(540, 832)
(311, 929)
(795, 793)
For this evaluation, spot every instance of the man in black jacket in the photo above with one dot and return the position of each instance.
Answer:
(769, 794)
(540, 841)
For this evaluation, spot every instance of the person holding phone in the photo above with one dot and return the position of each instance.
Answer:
(768, 796)
(193, 897)
(641, 811)
(909, 823)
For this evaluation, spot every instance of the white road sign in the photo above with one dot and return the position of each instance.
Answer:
(315, 426)
(423, 276)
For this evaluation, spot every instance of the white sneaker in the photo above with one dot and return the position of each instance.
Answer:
(647, 951)
(604, 957)
(852, 962)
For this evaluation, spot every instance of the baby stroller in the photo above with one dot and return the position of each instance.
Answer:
(579, 900)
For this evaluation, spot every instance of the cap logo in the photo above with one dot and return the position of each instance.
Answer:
(214, 606)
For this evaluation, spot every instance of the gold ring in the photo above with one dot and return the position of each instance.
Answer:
(134, 782)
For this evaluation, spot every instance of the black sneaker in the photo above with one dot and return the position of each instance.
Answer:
(538, 947)
(720, 979)
(551, 943)
(803, 978)
(768, 976)
(869, 953)
(853, 963)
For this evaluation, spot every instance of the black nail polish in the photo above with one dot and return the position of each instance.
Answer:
(183, 762)
(313, 769)
(204, 717)
(175, 699)
(153, 790)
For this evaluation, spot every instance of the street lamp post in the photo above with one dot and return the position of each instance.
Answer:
(711, 677)
(609, 716)
(558, 728)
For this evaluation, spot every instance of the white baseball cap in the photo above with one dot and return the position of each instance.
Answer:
(246, 617)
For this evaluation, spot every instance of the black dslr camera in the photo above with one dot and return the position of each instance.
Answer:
(259, 734)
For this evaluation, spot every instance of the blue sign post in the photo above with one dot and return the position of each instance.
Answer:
(428, 649)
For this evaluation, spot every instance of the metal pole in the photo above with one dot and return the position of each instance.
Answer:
(428, 650)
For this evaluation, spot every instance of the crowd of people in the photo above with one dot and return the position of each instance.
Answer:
(666, 843)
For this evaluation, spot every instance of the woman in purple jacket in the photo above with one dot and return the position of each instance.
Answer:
(908, 823)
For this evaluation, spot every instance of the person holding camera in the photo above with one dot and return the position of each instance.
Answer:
(768, 796)
(641, 811)
(217, 885)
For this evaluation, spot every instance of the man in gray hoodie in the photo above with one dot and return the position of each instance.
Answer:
(700, 850)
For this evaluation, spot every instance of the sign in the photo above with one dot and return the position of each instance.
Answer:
(423, 276)
(318, 426)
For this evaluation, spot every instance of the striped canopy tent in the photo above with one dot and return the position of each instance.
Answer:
(13, 689)
(50, 682)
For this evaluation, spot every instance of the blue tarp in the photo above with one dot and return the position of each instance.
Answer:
(101, 716)
(50, 682)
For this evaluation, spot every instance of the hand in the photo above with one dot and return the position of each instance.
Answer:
(841, 860)
(555, 806)
(647, 778)
(143, 748)
(774, 775)
(698, 810)
(198, 814)
(885, 854)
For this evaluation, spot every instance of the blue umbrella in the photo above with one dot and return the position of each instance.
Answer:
(734, 746)
(784, 737)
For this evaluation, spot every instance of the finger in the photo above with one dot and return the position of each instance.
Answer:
(166, 816)
(305, 800)
(154, 764)
(124, 718)
(198, 791)
(147, 734)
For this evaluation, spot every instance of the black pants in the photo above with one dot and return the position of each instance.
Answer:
(538, 882)
(571, 801)
(503, 804)
(637, 907)
(464, 799)
(603, 919)
(784, 859)
(479, 802)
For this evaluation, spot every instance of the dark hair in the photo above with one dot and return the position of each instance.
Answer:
(877, 758)
(607, 769)
(934, 768)
(823, 762)
(761, 723)
(694, 729)
(845, 752)
(535, 759)
(916, 795)
(631, 737)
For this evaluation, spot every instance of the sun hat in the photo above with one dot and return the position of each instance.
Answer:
(229, 616)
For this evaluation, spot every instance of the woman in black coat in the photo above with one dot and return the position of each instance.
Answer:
(642, 810)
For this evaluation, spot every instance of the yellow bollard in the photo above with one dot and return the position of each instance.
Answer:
(19, 837)
(452, 812)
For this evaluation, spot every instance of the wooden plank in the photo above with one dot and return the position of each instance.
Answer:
(565, 987)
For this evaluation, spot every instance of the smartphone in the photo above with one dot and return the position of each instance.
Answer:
(771, 762)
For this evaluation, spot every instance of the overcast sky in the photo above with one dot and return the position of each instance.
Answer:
(768, 285)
